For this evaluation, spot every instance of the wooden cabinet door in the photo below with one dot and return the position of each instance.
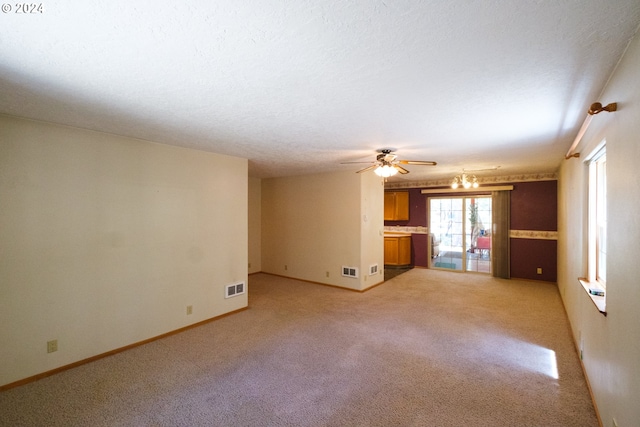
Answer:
(391, 251)
(402, 206)
(404, 251)
(397, 250)
(396, 205)
(389, 205)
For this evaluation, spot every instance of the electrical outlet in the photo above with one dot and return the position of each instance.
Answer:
(286, 267)
(189, 309)
(52, 346)
(539, 270)
(327, 274)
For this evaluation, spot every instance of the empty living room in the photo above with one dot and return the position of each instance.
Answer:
(319, 213)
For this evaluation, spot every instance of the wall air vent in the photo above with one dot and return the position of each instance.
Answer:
(234, 290)
(373, 269)
(350, 271)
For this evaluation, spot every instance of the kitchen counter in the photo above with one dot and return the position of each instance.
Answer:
(393, 234)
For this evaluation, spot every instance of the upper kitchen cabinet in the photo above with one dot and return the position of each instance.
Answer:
(396, 205)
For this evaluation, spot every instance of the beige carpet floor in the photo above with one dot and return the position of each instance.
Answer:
(427, 348)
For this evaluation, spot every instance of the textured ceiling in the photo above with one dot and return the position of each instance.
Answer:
(300, 86)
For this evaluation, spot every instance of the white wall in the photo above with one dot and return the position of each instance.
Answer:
(371, 227)
(255, 225)
(105, 240)
(611, 344)
(314, 224)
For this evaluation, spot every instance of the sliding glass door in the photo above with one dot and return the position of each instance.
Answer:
(460, 233)
(446, 232)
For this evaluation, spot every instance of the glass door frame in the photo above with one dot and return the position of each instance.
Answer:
(464, 232)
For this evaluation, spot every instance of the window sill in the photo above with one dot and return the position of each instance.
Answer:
(599, 301)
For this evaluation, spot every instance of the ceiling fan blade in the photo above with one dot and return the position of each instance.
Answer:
(417, 162)
(401, 169)
(353, 163)
(367, 169)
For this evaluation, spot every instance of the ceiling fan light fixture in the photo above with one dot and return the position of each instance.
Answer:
(387, 164)
(385, 171)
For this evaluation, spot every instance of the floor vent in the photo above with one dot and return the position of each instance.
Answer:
(349, 271)
(234, 290)
(373, 269)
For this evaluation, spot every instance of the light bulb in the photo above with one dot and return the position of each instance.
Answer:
(385, 171)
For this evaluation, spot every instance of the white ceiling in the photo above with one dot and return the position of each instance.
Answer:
(299, 86)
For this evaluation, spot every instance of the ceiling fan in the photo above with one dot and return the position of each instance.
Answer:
(387, 164)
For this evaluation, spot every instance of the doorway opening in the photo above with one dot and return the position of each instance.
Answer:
(460, 233)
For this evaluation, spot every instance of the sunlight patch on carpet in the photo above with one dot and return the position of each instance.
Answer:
(532, 357)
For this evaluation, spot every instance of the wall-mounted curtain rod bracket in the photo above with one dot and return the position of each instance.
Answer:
(595, 108)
